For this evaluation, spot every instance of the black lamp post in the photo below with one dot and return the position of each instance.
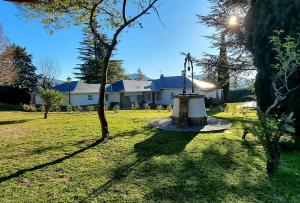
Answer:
(69, 80)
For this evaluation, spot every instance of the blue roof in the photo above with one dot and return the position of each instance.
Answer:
(171, 82)
(64, 87)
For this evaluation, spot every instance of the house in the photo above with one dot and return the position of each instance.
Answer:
(126, 92)
(160, 91)
(81, 93)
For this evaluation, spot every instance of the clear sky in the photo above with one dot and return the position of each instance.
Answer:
(154, 48)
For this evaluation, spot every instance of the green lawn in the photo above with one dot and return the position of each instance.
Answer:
(60, 160)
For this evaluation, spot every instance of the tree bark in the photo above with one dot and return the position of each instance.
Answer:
(101, 104)
(46, 113)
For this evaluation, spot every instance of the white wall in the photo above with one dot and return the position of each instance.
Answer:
(112, 97)
(76, 99)
(82, 99)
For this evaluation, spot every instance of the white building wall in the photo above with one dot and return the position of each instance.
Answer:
(112, 97)
(166, 95)
(82, 99)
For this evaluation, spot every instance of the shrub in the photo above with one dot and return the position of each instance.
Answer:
(134, 106)
(78, 108)
(159, 108)
(116, 108)
(268, 133)
(169, 108)
(90, 108)
(105, 108)
(42, 108)
(69, 108)
(29, 108)
(10, 107)
(147, 106)
(53, 100)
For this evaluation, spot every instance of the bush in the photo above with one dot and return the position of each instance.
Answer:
(10, 107)
(69, 108)
(159, 108)
(53, 100)
(41, 108)
(90, 108)
(268, 133)
(147, 106)
(105, 108)
(169, 108)
(116, 108)
(134, 106)
(78, 108)
(29, 108)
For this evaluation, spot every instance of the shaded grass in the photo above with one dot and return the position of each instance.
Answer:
(139, 164)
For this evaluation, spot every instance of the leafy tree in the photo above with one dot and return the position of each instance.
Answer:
(226, 17)
(103, 16)
(53, 100)
(92, 55)
(262, 19)
(22, 62)
(270, 128)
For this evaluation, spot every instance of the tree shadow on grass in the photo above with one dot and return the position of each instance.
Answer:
(179, 176)
(161, 143)
(41, 166)
(14, 121)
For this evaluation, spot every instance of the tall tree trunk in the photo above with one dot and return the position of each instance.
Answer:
(101, 104)
(46, 112)
(223, 69)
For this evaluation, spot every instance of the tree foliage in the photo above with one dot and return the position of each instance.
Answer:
(53, 100)
(264, 17)
(22, 62)
(229, 38)
(92, 54)
(270, 127)
(107, 19)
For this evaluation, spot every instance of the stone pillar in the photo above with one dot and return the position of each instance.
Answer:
(189, 110)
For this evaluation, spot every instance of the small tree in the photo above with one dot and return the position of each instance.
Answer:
(53, 99)
(270, 126)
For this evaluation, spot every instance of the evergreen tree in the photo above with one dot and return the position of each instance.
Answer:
(263, 18)
(92, 55)
(22, 62)
(226, 17)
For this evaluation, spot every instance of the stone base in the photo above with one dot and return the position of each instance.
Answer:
(213, 125)
(189, 121)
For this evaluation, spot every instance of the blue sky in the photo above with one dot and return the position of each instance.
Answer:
(154, 48)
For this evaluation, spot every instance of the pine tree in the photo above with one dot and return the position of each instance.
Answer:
(92, 54)
(233, 59)
(263, 18)
(22, 62)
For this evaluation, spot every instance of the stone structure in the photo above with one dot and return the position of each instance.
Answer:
(189, 110)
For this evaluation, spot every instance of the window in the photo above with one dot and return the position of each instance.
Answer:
(158, 95)
(172, 95)
(90, 97)
(106, 97)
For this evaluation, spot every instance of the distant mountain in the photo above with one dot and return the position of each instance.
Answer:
(57, 82)
(133, 76)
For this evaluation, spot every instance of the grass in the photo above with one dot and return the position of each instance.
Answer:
(60, 160)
